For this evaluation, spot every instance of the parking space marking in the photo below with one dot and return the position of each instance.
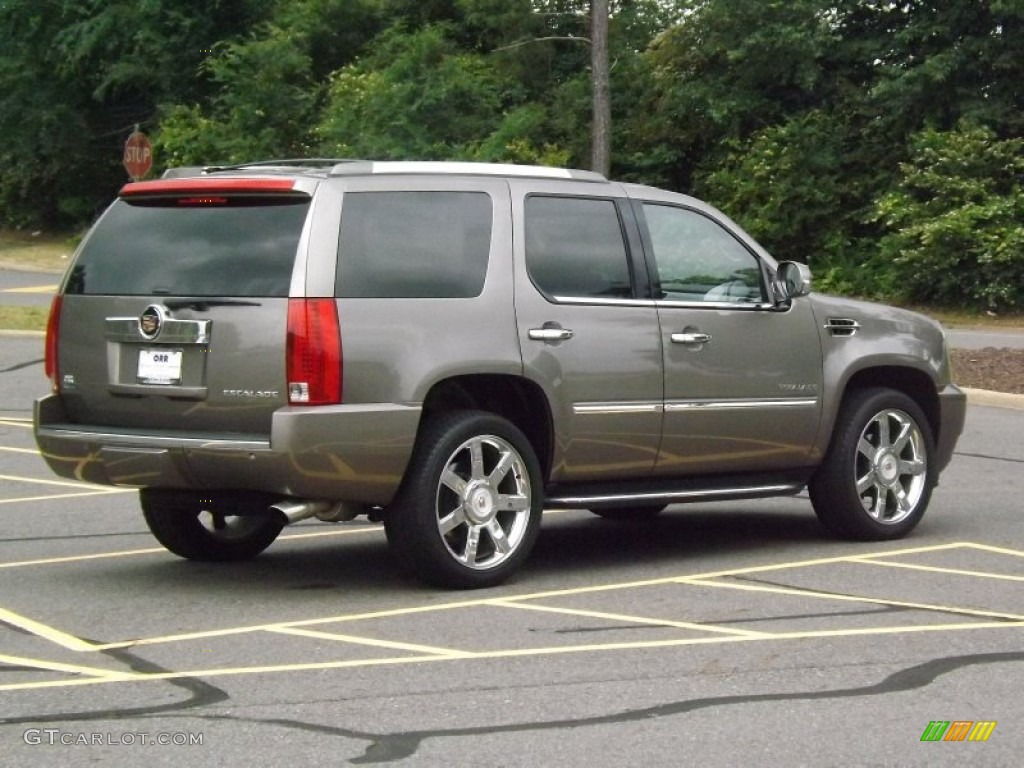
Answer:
(390, 644)
(699, 582)
(19, 450)
(107, 675)
(626, 619)
(61, 483)
(12, 422)
(986, 620)
(51, 497)
(44, 631)
(936, 569)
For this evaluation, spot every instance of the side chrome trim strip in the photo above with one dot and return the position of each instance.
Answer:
(729, 405)
(668, 496)
(592, 409)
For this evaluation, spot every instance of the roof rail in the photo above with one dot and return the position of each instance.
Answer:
(287, 162)
(367, 167)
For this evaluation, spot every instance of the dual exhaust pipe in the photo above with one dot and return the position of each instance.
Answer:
(294, 510)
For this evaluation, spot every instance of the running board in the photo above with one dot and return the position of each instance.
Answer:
(590, 500)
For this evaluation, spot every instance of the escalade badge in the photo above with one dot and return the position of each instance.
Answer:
(152, 320)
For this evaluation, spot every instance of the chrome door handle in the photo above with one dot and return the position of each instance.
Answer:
(550, 334)
(691, 338)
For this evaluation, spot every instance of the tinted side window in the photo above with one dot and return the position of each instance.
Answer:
(235, 248)
(699, 260)
(574, 248)
(413, 244)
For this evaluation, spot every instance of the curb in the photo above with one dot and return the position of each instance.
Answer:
(996, 399)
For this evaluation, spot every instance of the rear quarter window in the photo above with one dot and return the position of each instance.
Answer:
(243, 247)
(413, 244)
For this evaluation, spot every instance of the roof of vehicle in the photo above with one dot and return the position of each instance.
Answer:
(323, 167)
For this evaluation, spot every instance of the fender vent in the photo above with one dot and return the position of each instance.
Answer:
(842, 326)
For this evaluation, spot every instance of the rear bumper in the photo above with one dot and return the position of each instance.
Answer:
(354, 453)
(952, 413)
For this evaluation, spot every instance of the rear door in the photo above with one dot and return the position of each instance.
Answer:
(588, 335)
(175, 310)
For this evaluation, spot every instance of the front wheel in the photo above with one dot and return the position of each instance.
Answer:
(877, 477)
(196, 527)
(469, 510)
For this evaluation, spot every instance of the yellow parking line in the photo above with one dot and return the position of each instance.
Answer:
(44, 631)
(512, 653)
(53, 496)
(106, 675)
(19, 450)
(936, 569)
(702, 582)
(62, 483)
(628, 619)
(26, 423)
(996, 550)
(394, 646)
(149, 551)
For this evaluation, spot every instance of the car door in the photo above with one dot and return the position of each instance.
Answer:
(742, 376)
(589, 337)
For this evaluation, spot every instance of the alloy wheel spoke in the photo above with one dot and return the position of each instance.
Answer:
(883, 430)
(472, 544)
(865, 483)
(501, 469)
(906, 431)
(912, 467)
(476, 457)
(451, 521)
(452, 481)
(513, 502)
(866, 449)
(501, 542)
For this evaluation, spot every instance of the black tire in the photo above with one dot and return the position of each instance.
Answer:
(878, 475)
(188, 527)
(446, 503)
(630, 513)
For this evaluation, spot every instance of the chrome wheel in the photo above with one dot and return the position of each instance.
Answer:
(469, 509)
(891, 466)
(876, 479)
(483, 502)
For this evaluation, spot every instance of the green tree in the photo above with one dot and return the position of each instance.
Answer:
(956, 220)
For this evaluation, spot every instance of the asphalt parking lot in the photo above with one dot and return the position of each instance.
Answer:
(720, 634)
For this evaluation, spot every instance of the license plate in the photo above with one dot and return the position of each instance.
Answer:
(159, 366)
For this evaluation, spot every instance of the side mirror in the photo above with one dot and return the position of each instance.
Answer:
(792, 281)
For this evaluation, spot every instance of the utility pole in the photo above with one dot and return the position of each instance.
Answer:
(601, 128)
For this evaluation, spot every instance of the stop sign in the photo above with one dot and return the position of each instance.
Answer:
(138, 155)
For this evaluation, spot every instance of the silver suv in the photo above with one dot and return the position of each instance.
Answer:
(452, 347)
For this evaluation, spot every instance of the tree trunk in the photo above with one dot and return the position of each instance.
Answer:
(601, 130)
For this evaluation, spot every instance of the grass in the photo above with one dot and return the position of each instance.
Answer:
(23, 318)
(36, 251)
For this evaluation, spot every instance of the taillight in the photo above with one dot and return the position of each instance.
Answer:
(52, 332)
(313, 352)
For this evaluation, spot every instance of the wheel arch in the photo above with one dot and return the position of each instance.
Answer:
(914, 383)
(519, 400)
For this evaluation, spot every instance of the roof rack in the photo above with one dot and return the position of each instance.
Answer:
(367, 167)
(288, 162)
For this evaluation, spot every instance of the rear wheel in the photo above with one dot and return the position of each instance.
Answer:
(630, 513)
(469, 510)
(877, 477)
(199, 528)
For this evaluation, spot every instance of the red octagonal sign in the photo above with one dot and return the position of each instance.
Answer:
(138, 155)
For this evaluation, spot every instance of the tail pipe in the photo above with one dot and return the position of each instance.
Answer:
(294, 510)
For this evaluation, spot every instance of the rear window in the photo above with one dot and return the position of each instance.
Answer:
(413, 244)
(236, 247)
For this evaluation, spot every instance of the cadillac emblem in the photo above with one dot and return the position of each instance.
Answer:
(152, 320)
